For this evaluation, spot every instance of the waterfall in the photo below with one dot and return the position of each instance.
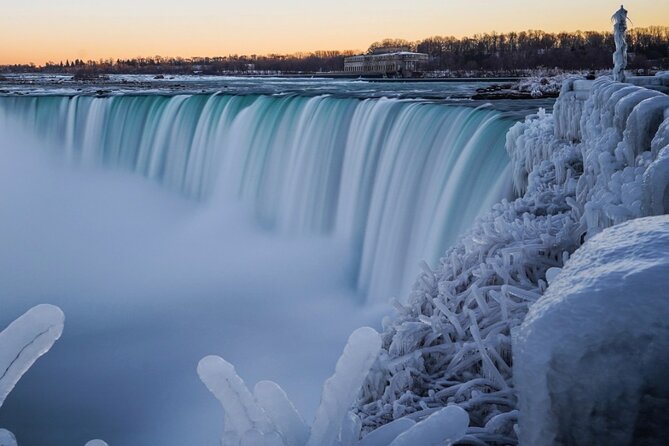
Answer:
(398, 180)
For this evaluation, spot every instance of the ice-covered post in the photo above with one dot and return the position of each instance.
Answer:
(620, 36)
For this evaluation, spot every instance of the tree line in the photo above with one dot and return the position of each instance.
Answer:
(490, 52)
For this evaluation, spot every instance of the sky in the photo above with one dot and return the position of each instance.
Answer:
(53, 30)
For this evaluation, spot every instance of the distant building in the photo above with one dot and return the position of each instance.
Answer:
(387, 62)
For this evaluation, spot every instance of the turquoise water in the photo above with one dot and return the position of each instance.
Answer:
(397, 180)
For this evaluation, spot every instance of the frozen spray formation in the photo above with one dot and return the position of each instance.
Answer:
(268, 418)
(24, 341)
(21, 344)
(392, 178)
(620, 37)
(577, 175)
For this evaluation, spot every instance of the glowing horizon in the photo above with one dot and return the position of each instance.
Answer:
(78, 29)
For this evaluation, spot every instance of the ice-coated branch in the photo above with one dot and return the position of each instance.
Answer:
(243, 416)
(445, 426)
(280, 410)
(24, 341)
(342, 388)
(268, 418)
(620, 37)
(387, 433)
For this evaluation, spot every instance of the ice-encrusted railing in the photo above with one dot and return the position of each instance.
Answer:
(451, 344)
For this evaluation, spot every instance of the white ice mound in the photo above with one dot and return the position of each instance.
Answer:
(268, 418)
(24, 341)
(444, 427)
(591, 359)
(7, 438)
(96, 442)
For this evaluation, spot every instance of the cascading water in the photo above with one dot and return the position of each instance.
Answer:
(397, 179)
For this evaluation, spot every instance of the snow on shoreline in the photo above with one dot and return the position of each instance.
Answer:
(451, 344)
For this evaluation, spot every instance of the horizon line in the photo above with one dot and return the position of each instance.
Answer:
(313, 51)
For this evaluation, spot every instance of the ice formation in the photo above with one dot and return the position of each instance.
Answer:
(340, 390)
(7, 438)
(601, 159)
(245, 419)
(24, 341)
(586, 376)
(21, 344)
(446, 426)
(620, 37)
(268, 418)
(96, 443)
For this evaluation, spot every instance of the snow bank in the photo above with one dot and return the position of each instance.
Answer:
(543, 86)
(602, 159)
(592, 357)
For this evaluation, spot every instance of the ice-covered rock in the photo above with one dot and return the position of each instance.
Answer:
(24, 341)
(592, 357)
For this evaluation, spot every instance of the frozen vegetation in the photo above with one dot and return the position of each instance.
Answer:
(268, 418)
(600, 160)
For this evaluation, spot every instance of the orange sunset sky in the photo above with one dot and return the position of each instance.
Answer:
(49, 30)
